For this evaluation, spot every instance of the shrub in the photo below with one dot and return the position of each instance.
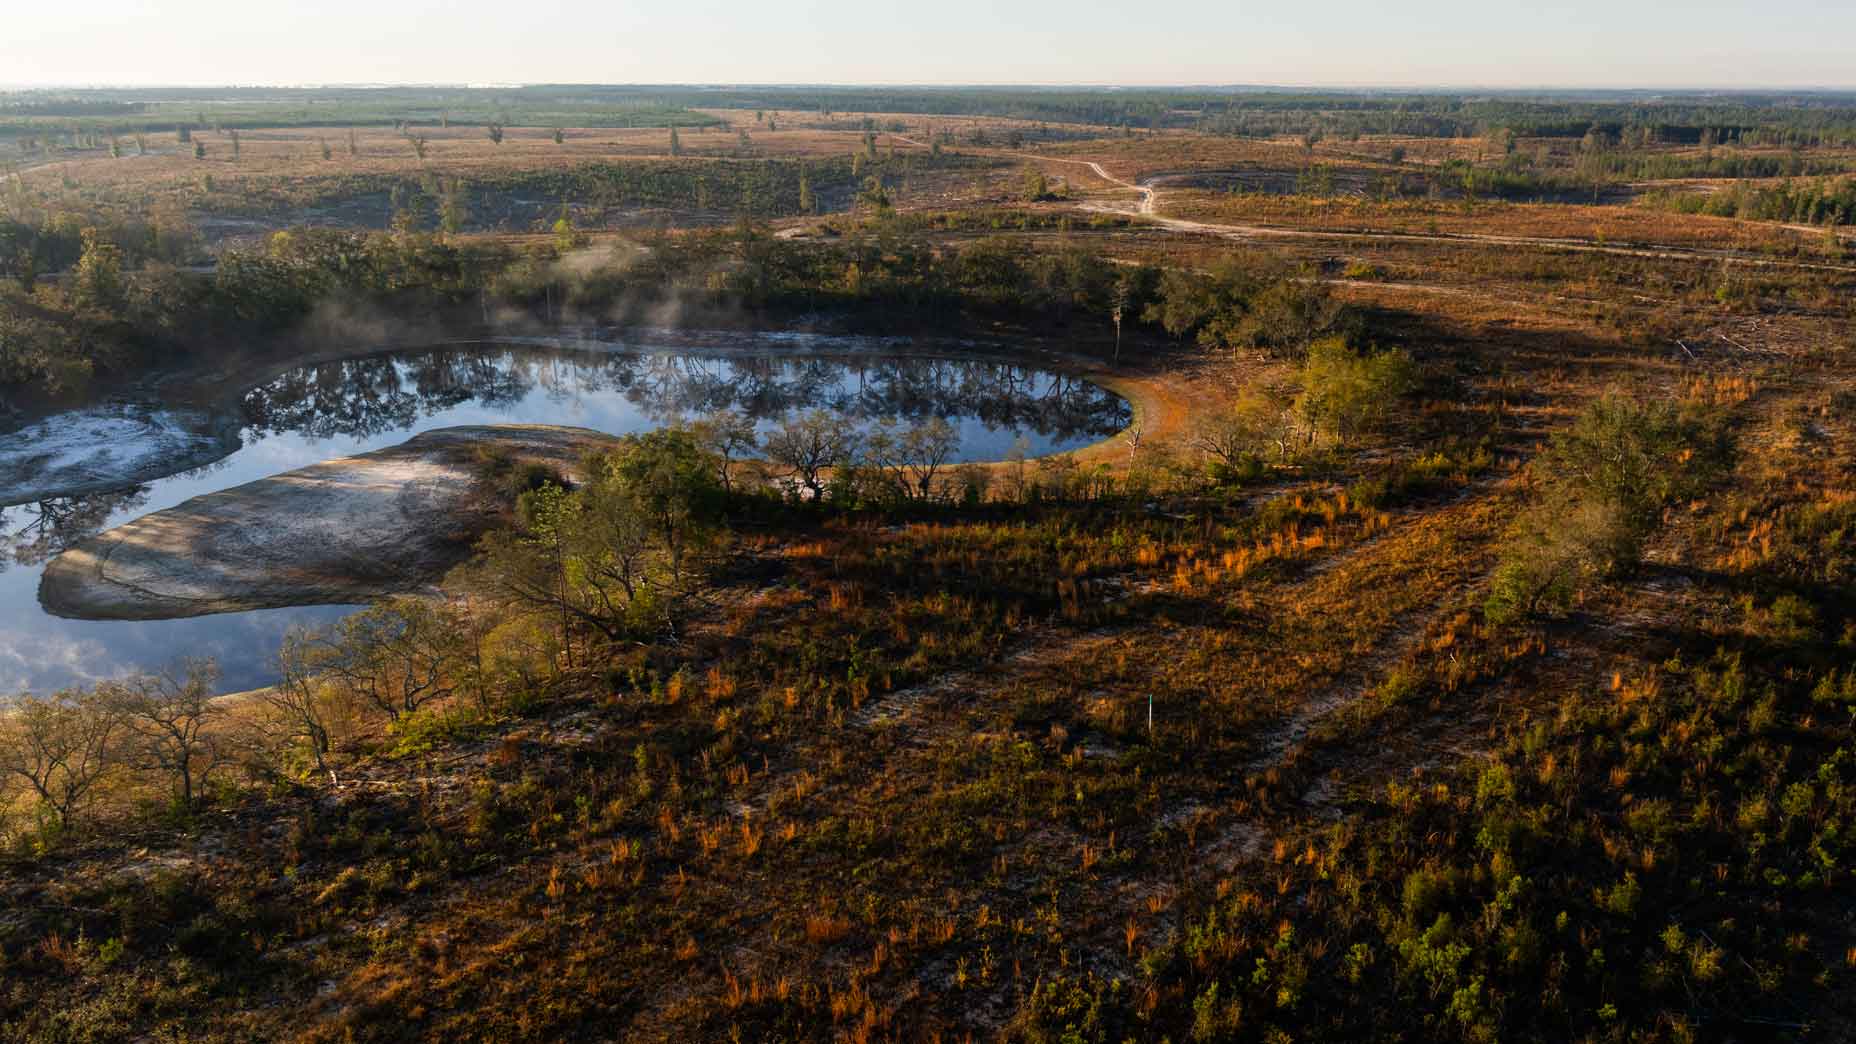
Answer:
(1347, 393)
(1606, 481)
(1637, 456)
(1551, 552)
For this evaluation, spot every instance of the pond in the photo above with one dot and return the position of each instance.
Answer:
(339, 408)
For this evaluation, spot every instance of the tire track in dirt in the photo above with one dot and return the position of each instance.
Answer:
(1354, 683)
(1244, 838)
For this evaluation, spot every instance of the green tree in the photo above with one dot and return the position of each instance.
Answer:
(1192, 303)
(669, 479)
(1637, 455)
(453, 209)
(1552, 550)
(529, 564)
(566, 237)
(1346, 393)
(615, 555)
(1604, 483)
(875, 195)
(97, 281)
(1239, 305)
(1288, 315)
(676, 143)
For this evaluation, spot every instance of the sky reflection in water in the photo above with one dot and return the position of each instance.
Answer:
(351, 406)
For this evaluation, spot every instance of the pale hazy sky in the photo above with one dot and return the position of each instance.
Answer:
(1727, 43)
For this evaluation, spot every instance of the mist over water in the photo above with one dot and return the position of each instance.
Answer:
(348, 406)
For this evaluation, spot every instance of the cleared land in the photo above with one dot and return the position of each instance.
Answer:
(1226, 728)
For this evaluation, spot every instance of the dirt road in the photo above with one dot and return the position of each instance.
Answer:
(1148, 207)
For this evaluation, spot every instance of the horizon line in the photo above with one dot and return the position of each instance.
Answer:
(1099, 85)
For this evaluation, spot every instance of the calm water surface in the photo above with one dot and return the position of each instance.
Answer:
(351, 406)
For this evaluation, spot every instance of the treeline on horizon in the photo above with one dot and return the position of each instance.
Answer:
(1798, 118)
(157, 110)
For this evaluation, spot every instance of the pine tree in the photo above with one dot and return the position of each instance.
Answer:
(451, 211)
(676, 144)
(565, 238)
(98, 278)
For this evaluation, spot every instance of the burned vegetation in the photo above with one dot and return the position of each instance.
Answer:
(1454, 642)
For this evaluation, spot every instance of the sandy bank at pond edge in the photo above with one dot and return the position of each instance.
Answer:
(343, 531)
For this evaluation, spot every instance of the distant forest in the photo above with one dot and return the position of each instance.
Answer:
(1795, 118)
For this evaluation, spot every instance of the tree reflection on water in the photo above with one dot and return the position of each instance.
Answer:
(33, 534)
(369, 396)
(374, 396)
